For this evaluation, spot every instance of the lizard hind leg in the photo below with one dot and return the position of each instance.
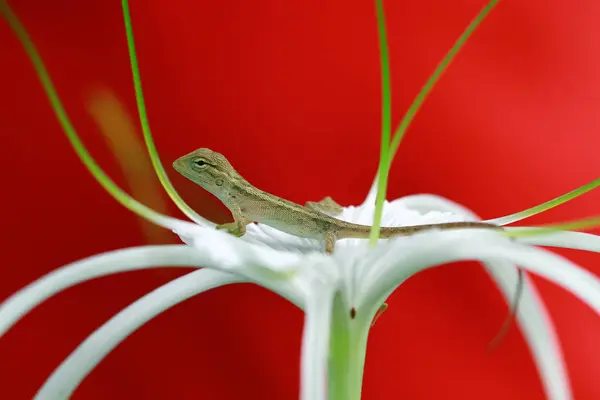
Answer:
(326, 206)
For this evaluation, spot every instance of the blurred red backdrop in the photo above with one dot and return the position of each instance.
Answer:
(289, 91)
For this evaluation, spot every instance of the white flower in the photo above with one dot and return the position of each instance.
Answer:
(340, 294)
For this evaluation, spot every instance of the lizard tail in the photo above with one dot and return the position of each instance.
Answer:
(363, 231)
(388, 232)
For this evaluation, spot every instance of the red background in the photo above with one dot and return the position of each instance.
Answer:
(289, 91)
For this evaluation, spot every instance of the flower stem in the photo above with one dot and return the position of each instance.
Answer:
(347, 354)
(388, 150)
(139, 96)
(88, 161)
(386, 123)
(434, 78)
(547, 205)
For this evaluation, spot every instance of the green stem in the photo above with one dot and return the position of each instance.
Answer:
(347, 354)
(437, 73)
(139, 96)
(388, 150)
(386, 123)
(64, 121)
(547, 205)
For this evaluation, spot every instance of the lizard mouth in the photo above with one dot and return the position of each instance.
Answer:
(182, 166)
(179, 165)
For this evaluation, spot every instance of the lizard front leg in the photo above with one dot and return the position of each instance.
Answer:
(238, 226)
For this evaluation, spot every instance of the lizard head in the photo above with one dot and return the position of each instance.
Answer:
(209, 169)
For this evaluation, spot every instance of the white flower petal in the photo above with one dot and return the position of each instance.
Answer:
(73, 370)
(441, 247)
(533, 318)
(395, 213)
(17, 305)
(372, 194)
(565, 239)
(397, 261)
(315, 344)
(260, 234)
(251, 247)
(212, 249)
(538, 330)
(278, 240)
(583, 284)
(425, 203)
(261, 264)
(283, 272)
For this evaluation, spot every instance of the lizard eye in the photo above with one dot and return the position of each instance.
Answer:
(200, 163)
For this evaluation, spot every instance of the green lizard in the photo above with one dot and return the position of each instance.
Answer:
(247, 204)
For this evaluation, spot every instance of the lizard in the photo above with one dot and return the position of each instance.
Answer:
(213, 172)
(247, 204)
